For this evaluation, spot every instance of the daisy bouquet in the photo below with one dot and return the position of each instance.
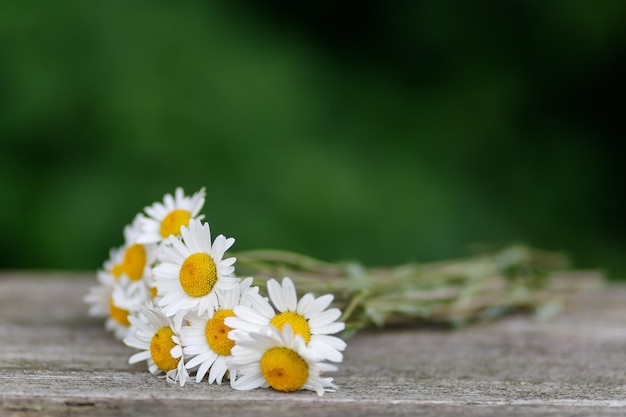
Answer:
(171, 292)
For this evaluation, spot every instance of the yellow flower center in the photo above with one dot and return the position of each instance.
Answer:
(283, 369)
(153, 292)
(160, 347)
(170, 225)
(217, 333)
(298, 323)
(135, 261)
(117, 270)
(198, 274)
(118, 314)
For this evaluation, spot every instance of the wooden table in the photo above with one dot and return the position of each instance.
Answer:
(57, 361)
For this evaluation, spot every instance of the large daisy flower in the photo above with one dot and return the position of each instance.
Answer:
(205, 338)
(159, 341)
(309, 317)
(192, 270)
(279, 359)
(166, 218)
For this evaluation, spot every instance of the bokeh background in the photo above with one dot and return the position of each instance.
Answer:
(383, 132)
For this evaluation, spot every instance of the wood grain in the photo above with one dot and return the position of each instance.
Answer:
(57, 361)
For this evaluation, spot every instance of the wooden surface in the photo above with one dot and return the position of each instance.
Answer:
(57, 361)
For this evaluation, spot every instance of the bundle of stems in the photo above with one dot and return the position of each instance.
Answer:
(451, 292)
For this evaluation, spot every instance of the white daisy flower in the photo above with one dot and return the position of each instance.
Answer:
(159, 341)
(309, 317)
(165, 219)
(131, 263)
(115, 263)
(122, 303)
(99, 296)
(152, 289)
(192, 270)
(205, 338)
(138, 258)
(279, 359)
(111, 299)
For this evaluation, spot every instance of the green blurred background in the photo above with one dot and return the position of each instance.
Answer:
(378, 131)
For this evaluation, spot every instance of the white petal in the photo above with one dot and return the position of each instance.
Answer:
(176, 352)
(219, 248)
(139, 356)
(241, 329)
(332, 341)
(289, 294)
(166, 270)
(179, 246)
(331, 328)
(196, 360)
(169, 201)
(261, 305)
(321, 303)
(305, 304)
(218, 370)
(204, 235)
(325, 351)
(276, 295)
(326, 367)
(229, 261)
(250, 315)
(202, 370)
(189, 237)
(250, 381)
(324, 318)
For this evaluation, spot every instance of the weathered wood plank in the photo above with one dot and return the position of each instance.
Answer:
(54, 360)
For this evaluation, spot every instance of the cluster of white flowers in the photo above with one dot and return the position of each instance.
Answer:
(170, 292)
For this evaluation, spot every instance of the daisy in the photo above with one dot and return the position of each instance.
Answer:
(137, 258)
(192, 270)
(281, 360)
(131, 263)
(111, 299)
(115, 263)
(308, 317)
(98, 297)
(205, 338)
(122, 303)
(159, 341)
(165, 219)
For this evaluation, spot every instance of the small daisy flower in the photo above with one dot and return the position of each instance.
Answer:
(111, 299)
(152, 289)
(122, 303)
(308, 317)
(99, 296)
(205, 338)
(137, 257)
(159, 341)
(192, 270)
(279, 359)
(165, 219)
(134, 260)
(131, 263)
(115, 263)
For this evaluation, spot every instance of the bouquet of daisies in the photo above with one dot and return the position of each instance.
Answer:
(170, 292)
